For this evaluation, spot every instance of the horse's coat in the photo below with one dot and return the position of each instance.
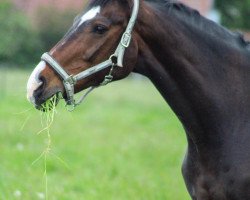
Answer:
(201, 69)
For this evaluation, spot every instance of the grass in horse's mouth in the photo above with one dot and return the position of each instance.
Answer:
(49, 107)
(50, 104)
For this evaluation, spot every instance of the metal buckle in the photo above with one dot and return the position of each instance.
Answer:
(69, 89)
(70, 107)
(107, 80)
(126, 38)
(71, 80)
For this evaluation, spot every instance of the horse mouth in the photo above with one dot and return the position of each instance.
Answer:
(50, 103)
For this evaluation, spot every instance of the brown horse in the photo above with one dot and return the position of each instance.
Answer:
(201, 69)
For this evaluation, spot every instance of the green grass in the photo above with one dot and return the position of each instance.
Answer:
(122, 143)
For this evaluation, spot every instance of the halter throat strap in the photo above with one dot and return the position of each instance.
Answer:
(115, 59)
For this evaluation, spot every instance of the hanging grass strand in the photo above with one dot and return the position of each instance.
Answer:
(49, 108)
(47, 119)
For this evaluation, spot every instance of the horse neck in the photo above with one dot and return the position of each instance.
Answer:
(174, 58)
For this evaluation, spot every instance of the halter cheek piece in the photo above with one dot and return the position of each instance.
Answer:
(115, 59)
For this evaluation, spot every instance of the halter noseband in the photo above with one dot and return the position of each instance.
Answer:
(115, 59)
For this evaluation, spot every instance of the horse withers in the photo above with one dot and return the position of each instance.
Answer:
(201, 69)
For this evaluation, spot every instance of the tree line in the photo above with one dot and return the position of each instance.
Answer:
(22, 42)
(235, 14)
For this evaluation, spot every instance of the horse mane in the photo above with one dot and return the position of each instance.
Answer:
(191, 17)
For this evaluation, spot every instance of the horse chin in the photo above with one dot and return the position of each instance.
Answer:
(50, 102)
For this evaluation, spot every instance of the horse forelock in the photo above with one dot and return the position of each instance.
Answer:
(98, 2)
(104, 2)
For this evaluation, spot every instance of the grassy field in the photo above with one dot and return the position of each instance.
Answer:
(123, 143)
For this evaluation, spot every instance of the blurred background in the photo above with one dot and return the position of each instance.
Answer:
(117, 145)
(30, 27)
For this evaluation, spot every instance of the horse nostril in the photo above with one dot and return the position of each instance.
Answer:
(43, 81)
(40, 89)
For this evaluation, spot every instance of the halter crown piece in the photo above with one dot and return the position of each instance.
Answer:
(115, 60)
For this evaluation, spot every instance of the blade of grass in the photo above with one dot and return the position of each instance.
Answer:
(47, 119)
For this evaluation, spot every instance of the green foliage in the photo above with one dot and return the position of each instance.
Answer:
(52, 24)
(18, 41)
(23, 42)
(235, 14)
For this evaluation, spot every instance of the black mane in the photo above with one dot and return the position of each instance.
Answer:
(193, 17)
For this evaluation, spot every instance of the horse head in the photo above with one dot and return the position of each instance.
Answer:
(92, 39)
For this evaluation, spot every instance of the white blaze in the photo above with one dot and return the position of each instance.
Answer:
(89, 15)
(34, 83)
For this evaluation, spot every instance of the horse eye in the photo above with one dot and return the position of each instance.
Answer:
(100, 29)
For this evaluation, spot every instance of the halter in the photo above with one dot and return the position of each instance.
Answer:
(116, 59)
